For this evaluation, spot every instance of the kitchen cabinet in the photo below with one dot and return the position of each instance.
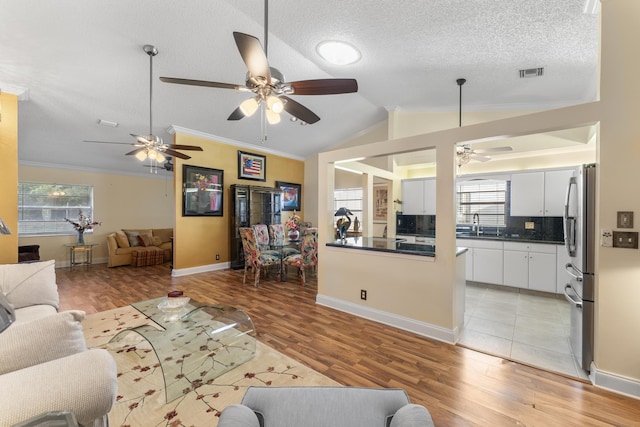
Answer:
(488, 262)
(530, 266)
(539, 193)
(419, 196)
(467, 243)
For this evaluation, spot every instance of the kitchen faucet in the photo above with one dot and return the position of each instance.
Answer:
(476, 223)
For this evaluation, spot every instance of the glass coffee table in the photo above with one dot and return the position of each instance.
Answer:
(197, 344)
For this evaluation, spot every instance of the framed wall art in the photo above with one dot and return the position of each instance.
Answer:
(202, 191)
(380, 194)
(291, 195)
(252, 166)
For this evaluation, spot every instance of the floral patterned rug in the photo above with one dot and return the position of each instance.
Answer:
(141, 394)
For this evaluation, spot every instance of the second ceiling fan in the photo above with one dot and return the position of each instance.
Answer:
(268, 84)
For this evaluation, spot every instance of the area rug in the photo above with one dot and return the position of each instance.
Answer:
(141, 395)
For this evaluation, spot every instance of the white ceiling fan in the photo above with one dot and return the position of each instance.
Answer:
(464, 152)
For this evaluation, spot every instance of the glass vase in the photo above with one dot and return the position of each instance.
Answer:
(80, 238)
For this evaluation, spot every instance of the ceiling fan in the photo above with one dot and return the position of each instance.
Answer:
(268, 84)
(167, 165)
(151, 146)
(464, 152)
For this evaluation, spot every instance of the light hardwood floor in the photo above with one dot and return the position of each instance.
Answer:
(460, 387)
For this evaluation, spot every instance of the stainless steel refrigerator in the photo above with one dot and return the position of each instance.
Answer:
(580, 241)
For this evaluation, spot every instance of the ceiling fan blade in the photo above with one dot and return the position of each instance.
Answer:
(177, 154)
(141, 139)
(480, 158)
(107, 142)
(324, 86)
(134, 152)
(236, 115)
(202, 83)
(253, 56)
(494, 150)
(300, 111)
(185, 147)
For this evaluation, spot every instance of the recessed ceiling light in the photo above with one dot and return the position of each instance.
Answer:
(338, 53)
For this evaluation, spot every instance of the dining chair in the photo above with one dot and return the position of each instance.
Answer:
(308, 258)
(261, 232)
(253, 257)
(276, 234)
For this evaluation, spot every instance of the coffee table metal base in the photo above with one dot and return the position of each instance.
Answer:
(197, 346)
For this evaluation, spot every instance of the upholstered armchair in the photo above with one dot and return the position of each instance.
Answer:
(253, 257)
(276, 234)
(308, 258)
(325, 406)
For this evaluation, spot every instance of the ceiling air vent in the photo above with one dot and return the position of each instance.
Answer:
(531, 72)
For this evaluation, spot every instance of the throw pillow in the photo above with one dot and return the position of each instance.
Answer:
(122, 240)
(41, 340)
(132, 236)
(412, 415)
(157, 241)
(145, 240)
(163, 233)
(30, 283)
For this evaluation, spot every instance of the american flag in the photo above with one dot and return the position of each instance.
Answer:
(252, 167)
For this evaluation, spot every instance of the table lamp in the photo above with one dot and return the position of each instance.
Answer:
(343, 223)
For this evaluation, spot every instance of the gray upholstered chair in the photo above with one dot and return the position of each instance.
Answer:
(325, 406)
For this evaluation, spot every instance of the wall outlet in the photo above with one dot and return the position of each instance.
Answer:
(529, 225)
(363, 294)
(217, 257)
(606, 238)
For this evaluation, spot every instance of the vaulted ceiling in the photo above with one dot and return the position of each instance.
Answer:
(74, 62)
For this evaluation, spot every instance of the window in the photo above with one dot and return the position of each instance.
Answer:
(42, 208)
(350, 198)
(486, 197)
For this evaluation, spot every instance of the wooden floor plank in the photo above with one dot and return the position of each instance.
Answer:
(459, 386)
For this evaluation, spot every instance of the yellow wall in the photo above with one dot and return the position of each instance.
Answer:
(9, 176)
(119, 202)
(199, 239)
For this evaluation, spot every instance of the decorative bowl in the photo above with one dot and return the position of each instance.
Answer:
(173, 306)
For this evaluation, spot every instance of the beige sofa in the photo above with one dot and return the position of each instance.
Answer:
(122, 244)
(45, 365)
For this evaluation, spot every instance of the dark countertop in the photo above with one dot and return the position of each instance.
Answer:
(507, 239)
(380, 244)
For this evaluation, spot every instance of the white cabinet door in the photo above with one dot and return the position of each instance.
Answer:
(527, 194)
(429, 196)
(555, 190)
(469, 267)
(542, 272)
(412, 197)
(516, 269)
(487, 265)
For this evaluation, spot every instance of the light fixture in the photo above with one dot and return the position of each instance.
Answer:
(275, 104)
(338, 52)
(3, 228)
(249, 106)
(272, 118)
(141, 155)
(343, 223)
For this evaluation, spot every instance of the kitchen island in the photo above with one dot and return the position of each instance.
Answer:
(393, 245)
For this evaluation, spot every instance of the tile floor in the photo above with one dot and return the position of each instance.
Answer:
(521, 325)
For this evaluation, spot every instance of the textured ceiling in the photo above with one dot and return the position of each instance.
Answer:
(82, 60)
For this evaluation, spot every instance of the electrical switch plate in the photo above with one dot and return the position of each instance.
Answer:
(625, 239)
(606, 239)
(529, 225)
(625, 219)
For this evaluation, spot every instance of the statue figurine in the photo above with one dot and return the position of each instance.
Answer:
(356, 225)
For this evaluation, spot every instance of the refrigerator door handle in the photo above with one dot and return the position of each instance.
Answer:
(568, 297)
(571, 270)
(569, 221)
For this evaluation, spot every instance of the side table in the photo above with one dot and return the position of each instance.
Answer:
(76, 249)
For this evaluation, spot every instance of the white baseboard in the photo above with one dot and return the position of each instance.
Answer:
(417, 327)
(199, 269)
(615, 383)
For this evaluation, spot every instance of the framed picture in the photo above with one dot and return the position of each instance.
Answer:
(252, 166)
(291, 195)
(202, 191)
(380, 194)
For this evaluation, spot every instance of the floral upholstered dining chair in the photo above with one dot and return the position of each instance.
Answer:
(253, 257)
(309, 256)
(261, 232)
(276, 234)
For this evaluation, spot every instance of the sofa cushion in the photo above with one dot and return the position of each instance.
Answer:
(412, 415)
(132, 236)
(33, 312)
(145, 240)
(41, 340)
(30, 284)
(122, 240)
(238, 416)
(157, 241)
(164, 233)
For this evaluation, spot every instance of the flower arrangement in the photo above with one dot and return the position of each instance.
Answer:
(201, 181)
(293, 223)
(84, 223)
